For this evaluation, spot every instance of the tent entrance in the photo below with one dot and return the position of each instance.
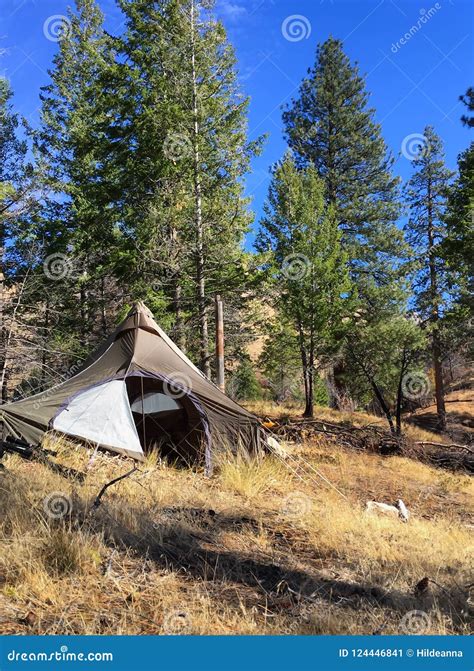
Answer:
(166, 422)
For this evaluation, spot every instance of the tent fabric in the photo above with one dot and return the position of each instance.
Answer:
(140, 354)
(102, 415)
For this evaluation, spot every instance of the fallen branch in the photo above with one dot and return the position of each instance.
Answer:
(374, 439)
(445, 446)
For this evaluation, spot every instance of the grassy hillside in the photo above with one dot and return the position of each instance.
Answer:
(261, 547)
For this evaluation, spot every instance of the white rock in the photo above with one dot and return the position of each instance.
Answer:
(403, 511)
(374, 507)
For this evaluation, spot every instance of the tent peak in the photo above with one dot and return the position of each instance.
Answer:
(139, 317)
(139, 306)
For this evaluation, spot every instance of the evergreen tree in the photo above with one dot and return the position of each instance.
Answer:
(17, 199)
(280, 361)
(183, 129)
(243, 383)
(427, 192)
(331, 127)
(383, 352)
(468, 100)
(78, 221)
(458, 244)
(457, 250)
(314, 290)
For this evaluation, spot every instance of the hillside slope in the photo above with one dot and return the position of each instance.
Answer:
(269, 547)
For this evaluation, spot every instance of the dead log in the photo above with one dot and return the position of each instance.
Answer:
(445, 446)
(375, 439)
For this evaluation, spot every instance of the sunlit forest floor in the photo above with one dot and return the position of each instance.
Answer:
(276, 546)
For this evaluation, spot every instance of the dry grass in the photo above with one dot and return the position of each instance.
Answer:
(262, 547)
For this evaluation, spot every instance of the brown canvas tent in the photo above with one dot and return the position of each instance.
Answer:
(137, 391)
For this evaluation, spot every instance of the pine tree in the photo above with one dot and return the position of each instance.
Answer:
(383, 353)
(331, 127)
(458, 252)
(468, 100)
(243, 383)
(78, 221)
(183, 127)
(17, 199)
(311, 269)
(280, 361)
(458, 245)
(427, 192)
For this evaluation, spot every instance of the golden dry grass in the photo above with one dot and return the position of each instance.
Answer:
(261, 547)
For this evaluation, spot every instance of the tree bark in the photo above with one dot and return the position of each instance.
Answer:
(178, 335)
(383, 405)
(398, 418)
(378, 394)
(200, 276)
(307, 375)
(103, 312)
(4, 375)
(44, 361)
(436, 350)
(309, 409)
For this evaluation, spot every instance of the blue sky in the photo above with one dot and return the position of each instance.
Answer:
(412, 84)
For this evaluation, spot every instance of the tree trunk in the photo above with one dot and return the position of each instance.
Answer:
(178, 335)
(435, 342)
(383, 405)
(4, 374)
(403, 369)
(307, 375)
(200, 278)
(439, 382)
(378, 394)
(309, 409)
(44, 352)
(309, 393)
(103, 312)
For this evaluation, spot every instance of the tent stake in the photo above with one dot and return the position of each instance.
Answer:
(109, 484)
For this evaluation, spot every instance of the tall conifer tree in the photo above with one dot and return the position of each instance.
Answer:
(330, 126)
(184, 130)
(427, 192)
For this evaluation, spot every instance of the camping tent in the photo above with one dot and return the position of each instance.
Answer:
(136, 392)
